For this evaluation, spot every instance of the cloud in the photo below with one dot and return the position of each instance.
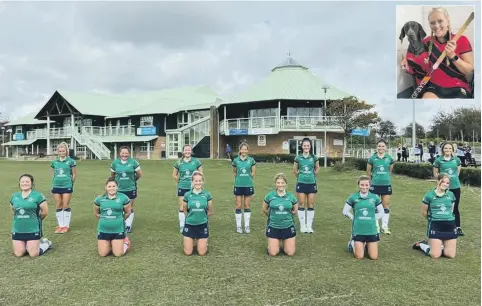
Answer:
(118, 47)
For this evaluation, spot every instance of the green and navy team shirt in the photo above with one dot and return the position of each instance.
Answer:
(197, 206)
(306, 166)
(381, 169)
(111, 219)
(26, 218)
(439, 206)
(186, 170)
(364, 213)
(449, 167)
(62, 172)
(280, 207)
(125, 173)
(243, 171)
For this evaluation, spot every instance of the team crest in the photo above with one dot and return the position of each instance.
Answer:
(365, 212)
(21, 211)
(109, 212)
(244, 170)
(61, 171)
(198, 204)
(281, 208)
(124, 174)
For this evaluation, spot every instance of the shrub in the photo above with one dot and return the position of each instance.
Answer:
(348, 166)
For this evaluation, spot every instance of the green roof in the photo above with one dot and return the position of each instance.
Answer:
(289, 81)
(165, 101)
(19, 142)
(27, 120)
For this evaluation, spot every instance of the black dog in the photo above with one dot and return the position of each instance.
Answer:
(415, 34)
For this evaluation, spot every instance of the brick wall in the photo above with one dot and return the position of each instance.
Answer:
(158, 147)
(274, 143)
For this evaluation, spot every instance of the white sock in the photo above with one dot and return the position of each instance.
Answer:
(424, 247)
(385, 218)
(310, 214)
(44, 246)
(238, 219)
(301, 216)
(67, 214)
(182, 219)
(247, 218)
(60, 217)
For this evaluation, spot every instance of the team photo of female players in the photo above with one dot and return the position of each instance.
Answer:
(364, 208)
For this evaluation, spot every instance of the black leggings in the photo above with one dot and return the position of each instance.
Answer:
(456, 193)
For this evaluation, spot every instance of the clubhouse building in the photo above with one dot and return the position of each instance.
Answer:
(271, 116)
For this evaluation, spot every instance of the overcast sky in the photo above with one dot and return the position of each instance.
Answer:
(117, 47)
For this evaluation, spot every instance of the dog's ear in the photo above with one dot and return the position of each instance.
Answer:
(421, 32)
(402, 34)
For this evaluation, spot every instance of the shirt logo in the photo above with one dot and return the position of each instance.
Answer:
(244, 170)
(109, 212)
(442, 208)
(306, 168)
(21, 211)
(365, 212)
(61, 171)
(188, 172)
(117, 200)
(198, 204)
(450, 171)
(281, 208)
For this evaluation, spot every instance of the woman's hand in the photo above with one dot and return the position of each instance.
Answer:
(450, 48)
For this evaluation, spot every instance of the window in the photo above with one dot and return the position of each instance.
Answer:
(147, 121)
(18, 129)
(87, 122)
(182, 119)
(144, 147)
(304, 111)
(264, 112)
(129, 122)
(118, 122)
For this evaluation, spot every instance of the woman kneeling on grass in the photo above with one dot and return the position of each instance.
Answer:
(367, 210)
(437, 207)
(29, 209)
(198, 206)
(280, 206)
(112, 209)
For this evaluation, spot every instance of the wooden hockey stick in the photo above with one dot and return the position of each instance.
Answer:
(427, 77)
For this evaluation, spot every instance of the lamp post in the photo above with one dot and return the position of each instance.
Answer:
(3, 140)
(325, 88)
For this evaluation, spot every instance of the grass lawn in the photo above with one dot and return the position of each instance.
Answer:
(237, 270)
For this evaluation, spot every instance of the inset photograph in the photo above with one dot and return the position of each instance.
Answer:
(435, 55)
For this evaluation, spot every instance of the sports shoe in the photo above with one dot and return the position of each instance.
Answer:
(460, 232)
(128, 229)
(303, 228)
(416, 245)
(309, 230)
(247, 230)
(64, 229)
(386, 230)
(45, 240)
(350, 246)
(58, 230)
(239, 230)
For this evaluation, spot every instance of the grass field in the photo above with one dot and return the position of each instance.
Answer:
(237, 270)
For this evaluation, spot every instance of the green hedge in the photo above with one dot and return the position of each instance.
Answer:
(468, 176)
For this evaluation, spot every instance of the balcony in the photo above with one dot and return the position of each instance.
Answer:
(66, 132)
(101, 131)
(274, 125)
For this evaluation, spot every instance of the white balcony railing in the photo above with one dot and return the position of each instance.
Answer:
(121, 130)
(308, 122)
(63, 132)
(284, 123)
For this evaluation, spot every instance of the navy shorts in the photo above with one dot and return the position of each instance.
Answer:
(243, 191)
(181, 192)
(109, 236)
(132, 195)
(306, 188)
(366, 238)
(442, 230)
(57, 190)
(281, 233)
(381, 190)
(26, 236)
(200, 231)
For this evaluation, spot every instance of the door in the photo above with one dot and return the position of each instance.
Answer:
(318, 147)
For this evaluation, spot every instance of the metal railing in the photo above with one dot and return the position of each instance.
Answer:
(121, 130)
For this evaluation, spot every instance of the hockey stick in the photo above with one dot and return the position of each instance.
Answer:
(427, 77)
